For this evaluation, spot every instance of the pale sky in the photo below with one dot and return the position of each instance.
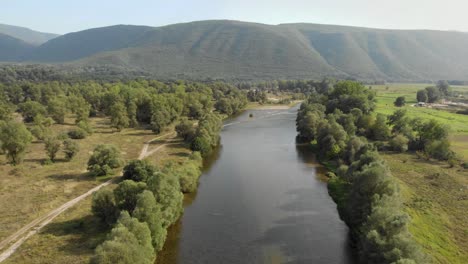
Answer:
(62, 16)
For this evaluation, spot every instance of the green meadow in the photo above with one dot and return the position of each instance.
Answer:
(434, 194)
(457, 123)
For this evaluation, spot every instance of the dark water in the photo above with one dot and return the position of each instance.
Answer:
(260, 200)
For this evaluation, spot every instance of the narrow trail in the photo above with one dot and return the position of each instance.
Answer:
(20, 236)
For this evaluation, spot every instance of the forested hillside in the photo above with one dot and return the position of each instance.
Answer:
(232, 49)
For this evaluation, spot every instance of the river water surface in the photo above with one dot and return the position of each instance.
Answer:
(260, 200)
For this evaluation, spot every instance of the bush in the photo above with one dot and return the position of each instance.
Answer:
(77, 133)
(399, 143)
(85, 126)
(70, 148)
(465, 165)
(104, 159)
(439, 149)
(138, 170)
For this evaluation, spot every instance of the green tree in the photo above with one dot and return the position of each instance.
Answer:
(14, 139)
(126, 194)
(70, 148)
(138, 170)
(5, 111)
(444, 88)
(421, 96)
(129, 242)
(433, 94)
(185, 129)
(119, 116)
(167, 192)
(52, 147)
(57, 109)
(347, 95)
(103, 206)
(148, 210)
(400, 101)
(380, 129)
(79, 107)
(104, 159)
(30, 109)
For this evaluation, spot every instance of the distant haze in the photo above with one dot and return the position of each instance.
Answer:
(61, 17)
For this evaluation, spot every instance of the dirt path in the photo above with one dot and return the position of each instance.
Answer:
(32, 228)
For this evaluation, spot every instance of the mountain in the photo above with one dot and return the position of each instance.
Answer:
(12, 48)
(27, 35)
(85, 43)
(241, 50)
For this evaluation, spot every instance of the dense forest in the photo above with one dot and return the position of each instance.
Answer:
(347, 135)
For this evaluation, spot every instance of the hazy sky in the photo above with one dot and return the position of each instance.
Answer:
(62, 16)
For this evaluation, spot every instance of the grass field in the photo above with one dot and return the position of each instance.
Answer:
(436, 196)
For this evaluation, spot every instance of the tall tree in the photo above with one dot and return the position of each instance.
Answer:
(119, 116)
(14, 139)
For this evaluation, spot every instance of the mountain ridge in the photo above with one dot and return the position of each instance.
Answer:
(27, 35)
(227, 49)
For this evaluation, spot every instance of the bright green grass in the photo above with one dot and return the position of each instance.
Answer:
(433, 197)
(457, 123)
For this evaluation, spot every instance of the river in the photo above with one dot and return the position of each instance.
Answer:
(260, 200)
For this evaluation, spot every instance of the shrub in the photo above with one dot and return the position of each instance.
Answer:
(104, 159)
(439, 149)
(77, 133)
(85, 126)
(70, 148)
(465, 165)
(399, 143)
(452, 162)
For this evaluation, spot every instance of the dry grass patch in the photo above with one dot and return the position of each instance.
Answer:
(31, 189)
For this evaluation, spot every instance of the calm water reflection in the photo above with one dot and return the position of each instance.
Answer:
(260, 200)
